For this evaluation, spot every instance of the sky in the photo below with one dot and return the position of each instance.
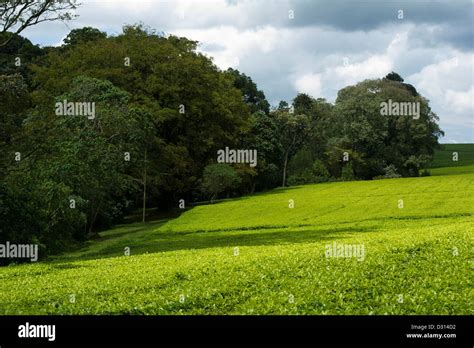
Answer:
(314, 47)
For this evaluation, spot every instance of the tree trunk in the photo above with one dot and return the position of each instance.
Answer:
(284, 168)
(287, 153)
(92, 222)
(144, 189)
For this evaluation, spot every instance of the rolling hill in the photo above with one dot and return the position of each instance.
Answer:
(411, 241)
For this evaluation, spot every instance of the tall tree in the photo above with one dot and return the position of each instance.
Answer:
(195, 108)
(82, 35)
(253, 97)
(292, 130)
(17, 15)
(375, 140)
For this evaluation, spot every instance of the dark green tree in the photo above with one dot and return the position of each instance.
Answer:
(219, 178)
(253, 97)
(86, 34)
(292, 130)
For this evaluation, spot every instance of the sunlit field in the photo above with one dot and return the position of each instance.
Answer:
(267, 254)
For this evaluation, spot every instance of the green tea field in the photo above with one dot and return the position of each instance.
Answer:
(275, 253)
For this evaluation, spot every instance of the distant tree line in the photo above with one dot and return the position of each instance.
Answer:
(162, 111)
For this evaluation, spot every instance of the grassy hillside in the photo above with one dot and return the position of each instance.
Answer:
(452, 170)
(255, 255)
(444, 156)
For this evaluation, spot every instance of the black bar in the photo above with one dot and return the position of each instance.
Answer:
(226, 330)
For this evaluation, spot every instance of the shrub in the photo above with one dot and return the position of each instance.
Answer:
(219, 178)
(319, 169)
(347, 173)
(391, 172)
(425, 172)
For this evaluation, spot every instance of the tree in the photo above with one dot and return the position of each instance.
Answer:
(292, 129)
(253, 97)
(86, 34)
(393, 76)
(301, 162)
(17, 15)
(84, 155)
(319, 169)
(219, 178)
(194, 107)
(374, 140)
(14, 101)
(303, 104)
(146, 146)
(299, 168)
(17, 55)
(347, 172)
(264, 138)
(282, 105)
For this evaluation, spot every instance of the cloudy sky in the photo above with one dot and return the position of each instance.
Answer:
(316, 47)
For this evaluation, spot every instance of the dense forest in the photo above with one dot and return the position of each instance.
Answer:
(162, 111)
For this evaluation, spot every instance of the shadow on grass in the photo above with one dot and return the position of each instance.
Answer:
(117, 235)
(155, 242)
(277, 191)
(124, 230)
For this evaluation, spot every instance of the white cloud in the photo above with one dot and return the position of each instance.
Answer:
(449, 84)
(235, 45)
(310, 84)
(462, 100)
(373, 67)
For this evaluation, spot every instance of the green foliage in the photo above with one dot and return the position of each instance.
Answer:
(347, 172)
(282, 105)
(303, 104)
(319, 169)
(393, 76)
(219, 178)
(79, 159)
(300, 162)
(264, 138)
(15, 99)
(253, 97)
(304, 170)
(18, 55)
(403, 141)
(291, 129)
(86, 34)
(163, 80)
(305, 177)
(425, 172)
(390, 173)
